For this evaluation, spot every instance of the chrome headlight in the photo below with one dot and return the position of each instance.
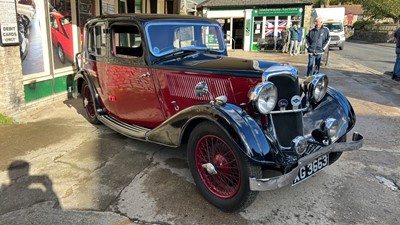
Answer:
(318, 87)
(264, 97)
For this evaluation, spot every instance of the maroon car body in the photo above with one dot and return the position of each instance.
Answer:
(168, 80)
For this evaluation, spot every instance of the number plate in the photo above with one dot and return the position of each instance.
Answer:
(312, 168)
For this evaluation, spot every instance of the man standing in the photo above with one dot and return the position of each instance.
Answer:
(317, 41)
(294, 38)
(396, 70)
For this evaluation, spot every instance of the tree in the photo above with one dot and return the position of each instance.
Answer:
(382, 9)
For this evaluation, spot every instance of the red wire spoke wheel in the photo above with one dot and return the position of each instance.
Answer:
(220, 169)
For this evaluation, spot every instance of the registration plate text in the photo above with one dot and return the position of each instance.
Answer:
(312, 168)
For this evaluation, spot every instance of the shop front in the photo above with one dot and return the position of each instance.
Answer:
(268, 24)
(49, 37)
(246, 26)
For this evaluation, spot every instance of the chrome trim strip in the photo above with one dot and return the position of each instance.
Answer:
(272, 183)
(289, 111)
(128, 130)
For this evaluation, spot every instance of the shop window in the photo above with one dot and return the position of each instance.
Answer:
(127, 41)
(296, 20)
(61, 33)
(257, 33)
(130, 6)
(86, 11)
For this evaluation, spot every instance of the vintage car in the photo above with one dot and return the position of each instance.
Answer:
(61, 35)
(248, 125)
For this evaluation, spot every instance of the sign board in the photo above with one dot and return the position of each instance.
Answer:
(8, 23)
(291, 11)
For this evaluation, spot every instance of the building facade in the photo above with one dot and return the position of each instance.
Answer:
(250, 22)
(40, 65)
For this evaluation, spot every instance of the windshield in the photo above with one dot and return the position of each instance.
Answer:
(165, 38)
(334, 27)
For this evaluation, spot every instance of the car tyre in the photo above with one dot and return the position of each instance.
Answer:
(61, 54)
(88, 104)
(229, 188)
(341, 48)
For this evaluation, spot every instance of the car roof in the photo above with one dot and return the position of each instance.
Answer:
(148, 17)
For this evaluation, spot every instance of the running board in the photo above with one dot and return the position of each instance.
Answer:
(126, 129)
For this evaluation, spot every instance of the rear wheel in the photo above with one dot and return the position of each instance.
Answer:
(88, 104)
(220, 170)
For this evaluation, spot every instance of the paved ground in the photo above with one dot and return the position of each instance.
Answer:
(84, 174)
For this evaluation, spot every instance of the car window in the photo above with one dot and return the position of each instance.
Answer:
(126, 41)
(53, 22)
(165, 38)
(334, 27)
(97, 40)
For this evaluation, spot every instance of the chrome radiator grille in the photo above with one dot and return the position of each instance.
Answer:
(288, 125)
(335, 38)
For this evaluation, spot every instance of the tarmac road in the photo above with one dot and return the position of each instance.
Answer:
(85, 174)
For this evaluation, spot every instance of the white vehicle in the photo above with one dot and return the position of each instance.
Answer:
(333, 20)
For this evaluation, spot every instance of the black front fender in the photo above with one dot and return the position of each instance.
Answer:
(333, 105)
(81, 76)
(232, 119)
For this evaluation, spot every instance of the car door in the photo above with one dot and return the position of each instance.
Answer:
(134, 95)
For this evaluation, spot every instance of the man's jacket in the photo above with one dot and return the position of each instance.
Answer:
(318, 40)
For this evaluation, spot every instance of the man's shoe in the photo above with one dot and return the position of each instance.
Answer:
(390, 73)
(396, 78)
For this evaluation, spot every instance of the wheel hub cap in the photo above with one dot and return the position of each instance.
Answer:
(85, 102)
(210, 168)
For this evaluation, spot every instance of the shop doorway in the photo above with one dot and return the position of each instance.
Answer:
(238, 32)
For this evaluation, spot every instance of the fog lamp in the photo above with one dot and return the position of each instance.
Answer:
(330, 127)
(299, 144)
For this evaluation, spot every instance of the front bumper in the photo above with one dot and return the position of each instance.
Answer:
(336, 43)
(266, 184)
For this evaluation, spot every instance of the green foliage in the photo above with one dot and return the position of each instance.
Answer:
(363, 24)
(382, 9)
(6, 120)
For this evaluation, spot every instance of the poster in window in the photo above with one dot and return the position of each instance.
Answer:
(61, 34)
(29, 16)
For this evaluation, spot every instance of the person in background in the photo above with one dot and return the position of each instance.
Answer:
(294, 39)
(300, 44)
(396, 70)
(285, 40)
(317, 40)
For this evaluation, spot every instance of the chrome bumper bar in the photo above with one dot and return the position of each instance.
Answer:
(272, 183)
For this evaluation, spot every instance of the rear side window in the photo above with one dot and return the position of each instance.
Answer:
(97, 40)
(126, 41)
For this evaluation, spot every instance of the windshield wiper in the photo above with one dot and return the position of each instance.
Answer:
(181, 53)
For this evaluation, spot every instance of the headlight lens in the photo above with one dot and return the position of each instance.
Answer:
(264, 97)
(320, 85)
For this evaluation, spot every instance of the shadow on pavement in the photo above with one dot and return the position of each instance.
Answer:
(25, 190)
